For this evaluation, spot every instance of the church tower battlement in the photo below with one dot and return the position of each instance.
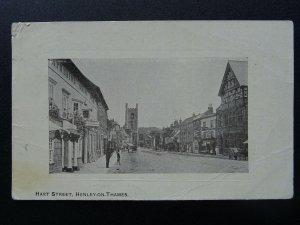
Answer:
(131, 122)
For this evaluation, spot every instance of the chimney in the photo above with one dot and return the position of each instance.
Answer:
(126, 115)
(210, 109)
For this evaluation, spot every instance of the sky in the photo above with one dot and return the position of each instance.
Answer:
(165, 89)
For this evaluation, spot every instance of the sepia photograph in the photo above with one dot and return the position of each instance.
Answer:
(184, 115)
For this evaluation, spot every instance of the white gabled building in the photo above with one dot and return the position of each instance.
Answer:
(77, 117)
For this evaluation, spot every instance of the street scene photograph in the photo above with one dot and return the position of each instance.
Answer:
(148, 115)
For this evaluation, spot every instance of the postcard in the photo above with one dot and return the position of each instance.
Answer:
(152, 110)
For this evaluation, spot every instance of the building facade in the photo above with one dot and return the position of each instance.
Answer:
(187, 134)
(197, 133)
(205, 131)
(232, 114)
(208, 133)
(131, 123)
(115, 133)
(77, 117)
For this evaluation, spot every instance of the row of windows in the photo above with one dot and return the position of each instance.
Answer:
(234, 96)
(208, 134)
(77, 106)
(212, 124)
(64, 71)
(204, 124)
(74, 80)
(232, 118)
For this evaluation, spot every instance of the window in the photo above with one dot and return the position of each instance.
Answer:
(86, 113)
(232, 119)
(208, 135)
(75, 108)
(60, 67)
(50, 89)
(51, 150)
(239, 116)
(225, 119)
(65, 104)
(204, 124)
(132, 116)
(245, 93)
(212, 123)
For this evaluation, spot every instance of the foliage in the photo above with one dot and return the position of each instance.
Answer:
(53, 110)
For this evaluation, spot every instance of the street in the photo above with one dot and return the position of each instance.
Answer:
(149, 161)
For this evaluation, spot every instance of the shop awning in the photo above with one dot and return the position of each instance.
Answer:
(245, 142)
(54, 126)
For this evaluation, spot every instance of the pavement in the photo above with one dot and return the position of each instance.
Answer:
(99, 166)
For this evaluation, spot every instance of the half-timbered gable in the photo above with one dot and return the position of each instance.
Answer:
(232, 116)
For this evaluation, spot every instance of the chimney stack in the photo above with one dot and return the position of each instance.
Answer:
(126, 115)
(210, 108)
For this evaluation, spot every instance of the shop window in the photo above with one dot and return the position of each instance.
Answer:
(51, 151)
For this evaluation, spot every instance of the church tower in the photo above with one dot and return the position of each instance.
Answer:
(131, 123)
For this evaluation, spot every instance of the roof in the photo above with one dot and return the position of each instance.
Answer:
(188, 120)
(197, 117)
(239, 69)
(207, 113)
(95, 90)
(176, 134)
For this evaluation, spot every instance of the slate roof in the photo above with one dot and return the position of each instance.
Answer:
(95, 90)
(188, 120)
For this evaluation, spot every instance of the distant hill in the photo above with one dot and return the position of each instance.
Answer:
(148, 130)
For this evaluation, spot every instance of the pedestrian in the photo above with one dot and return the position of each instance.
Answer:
(118, 157)
(108, 154)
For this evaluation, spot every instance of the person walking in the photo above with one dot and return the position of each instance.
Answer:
(118, 157)
(108, 153)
